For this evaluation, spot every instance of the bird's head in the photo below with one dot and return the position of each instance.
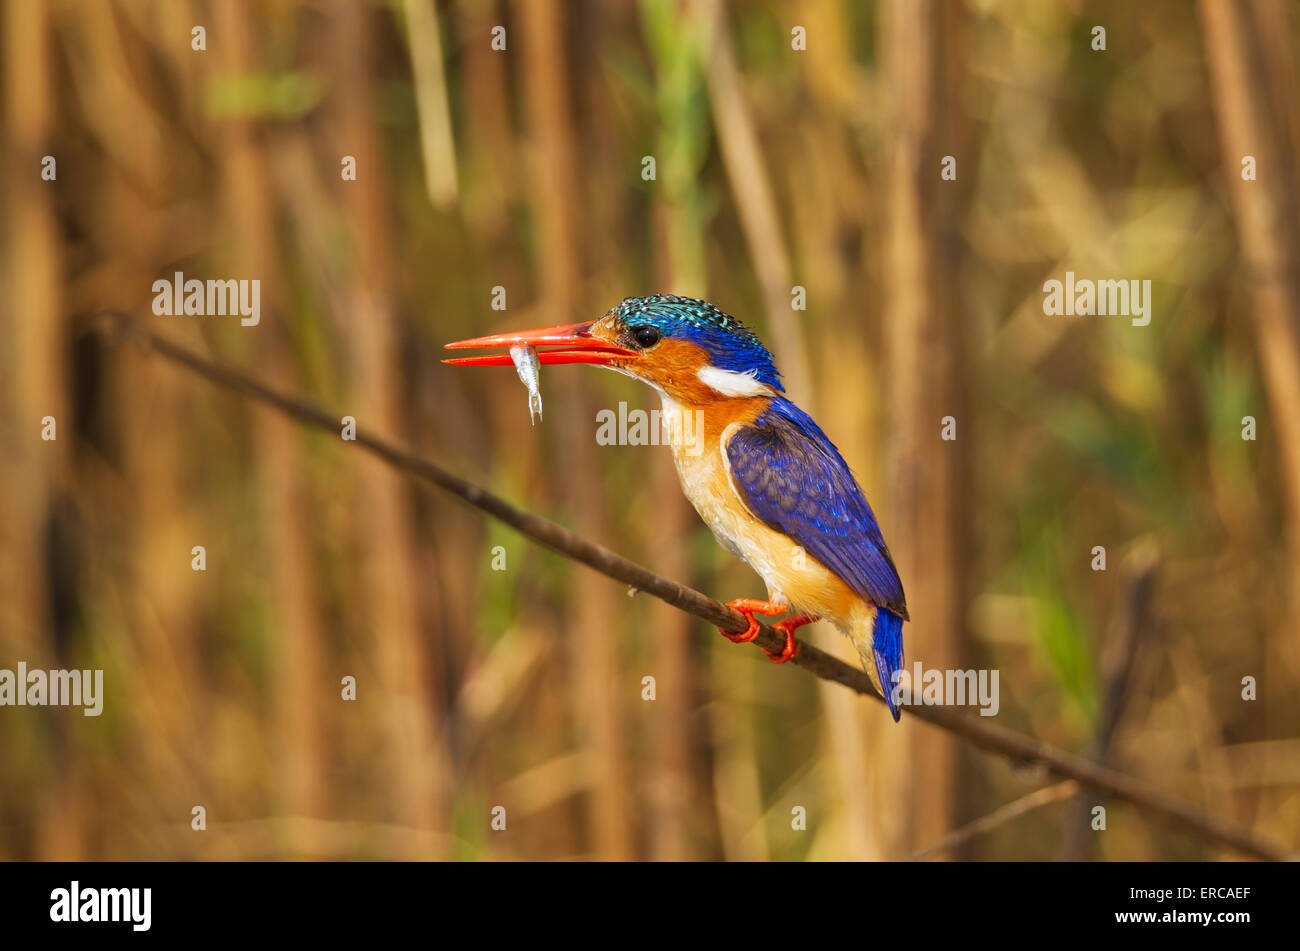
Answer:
(684, 347)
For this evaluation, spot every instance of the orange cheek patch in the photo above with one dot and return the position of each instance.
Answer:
(673, 365)
(680, 359)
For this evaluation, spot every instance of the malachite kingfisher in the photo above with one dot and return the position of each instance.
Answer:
(764, 477)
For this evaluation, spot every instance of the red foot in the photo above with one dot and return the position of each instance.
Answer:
(749, 608)
(788, 627)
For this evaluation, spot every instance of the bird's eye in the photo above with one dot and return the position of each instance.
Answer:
(646, 336)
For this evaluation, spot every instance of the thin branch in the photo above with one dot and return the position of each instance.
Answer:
(1000, 816)
(1131, 622)
(1020, 749)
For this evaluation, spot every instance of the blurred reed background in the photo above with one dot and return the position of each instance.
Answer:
(522, 168)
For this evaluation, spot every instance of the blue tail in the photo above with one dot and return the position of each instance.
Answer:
(887, 645)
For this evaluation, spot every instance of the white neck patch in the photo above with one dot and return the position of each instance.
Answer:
(731, 383)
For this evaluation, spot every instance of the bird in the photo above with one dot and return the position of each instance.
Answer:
(760, 472)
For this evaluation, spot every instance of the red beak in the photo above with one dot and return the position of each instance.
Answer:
(573, 343)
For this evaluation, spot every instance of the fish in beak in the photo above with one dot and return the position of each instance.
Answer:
(567, 343)
(529, 369)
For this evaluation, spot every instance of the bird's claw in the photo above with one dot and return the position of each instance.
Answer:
(749, 608)
(791, 649)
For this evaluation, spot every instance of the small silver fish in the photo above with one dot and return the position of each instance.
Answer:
(529, 369)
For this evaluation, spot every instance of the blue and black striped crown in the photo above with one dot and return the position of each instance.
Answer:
(730, 344)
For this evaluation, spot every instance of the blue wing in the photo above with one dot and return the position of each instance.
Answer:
(793, 478)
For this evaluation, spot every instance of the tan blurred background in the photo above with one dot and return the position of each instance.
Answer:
(522, 168)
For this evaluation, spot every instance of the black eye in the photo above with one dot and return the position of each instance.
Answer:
(645, 336)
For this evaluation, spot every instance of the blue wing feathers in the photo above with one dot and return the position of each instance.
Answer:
(793, 478)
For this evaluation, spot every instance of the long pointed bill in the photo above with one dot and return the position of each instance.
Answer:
(570, 343)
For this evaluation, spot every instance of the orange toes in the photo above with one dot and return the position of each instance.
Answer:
(788, 627)
(789, 652)
(754, 606)
(749, 607)
(749, 634)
